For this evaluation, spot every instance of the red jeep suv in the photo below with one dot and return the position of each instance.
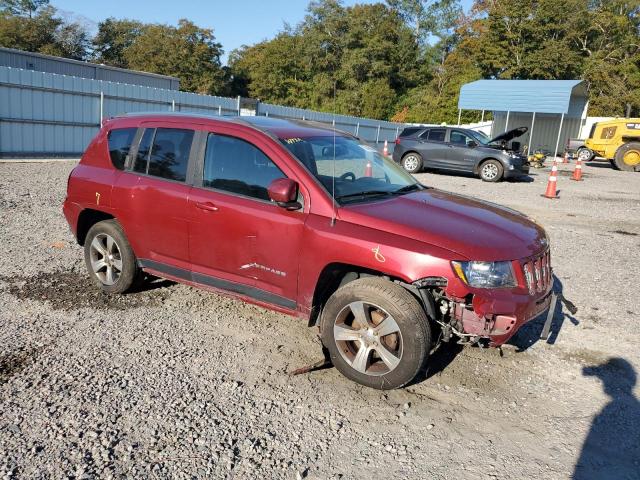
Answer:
(311, 222)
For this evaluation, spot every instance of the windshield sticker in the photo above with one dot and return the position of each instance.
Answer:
(291, 141)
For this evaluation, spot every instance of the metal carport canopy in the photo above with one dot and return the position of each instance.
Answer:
(541, 96)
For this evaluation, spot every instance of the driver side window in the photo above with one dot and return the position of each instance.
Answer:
(236, 166)
(459, 138)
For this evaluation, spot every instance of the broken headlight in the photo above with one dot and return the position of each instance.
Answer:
(485, 274)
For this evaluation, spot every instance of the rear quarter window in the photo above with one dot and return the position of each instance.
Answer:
(120, 140)
(410, 131)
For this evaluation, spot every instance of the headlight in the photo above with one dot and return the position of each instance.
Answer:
(485, 274)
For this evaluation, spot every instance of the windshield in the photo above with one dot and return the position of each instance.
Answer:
(359, 172)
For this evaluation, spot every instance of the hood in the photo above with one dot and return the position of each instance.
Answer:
(509, 135)
(472, 229)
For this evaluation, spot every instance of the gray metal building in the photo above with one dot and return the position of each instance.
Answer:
(38, 62)
(553, 110)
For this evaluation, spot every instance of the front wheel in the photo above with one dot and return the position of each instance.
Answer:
(109, 258)
(584, 154)
(376, 332)
(491, 171)
(412, 162)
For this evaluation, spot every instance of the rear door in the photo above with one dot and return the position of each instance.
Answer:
(461, 155)
(239, 239)
(433, 147)
(152, 195)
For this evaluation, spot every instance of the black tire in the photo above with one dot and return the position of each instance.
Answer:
(120, 259)
(409, 345)
(613, 164)
(628, 157)
(491, 171)
(412, 162)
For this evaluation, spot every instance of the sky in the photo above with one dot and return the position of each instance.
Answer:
(234, 22)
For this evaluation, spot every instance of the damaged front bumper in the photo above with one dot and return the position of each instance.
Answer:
(495, 320)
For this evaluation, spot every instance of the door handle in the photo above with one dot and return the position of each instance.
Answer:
(206, 206)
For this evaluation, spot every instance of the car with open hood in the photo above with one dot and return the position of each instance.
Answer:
(461, 150)
(308, 221)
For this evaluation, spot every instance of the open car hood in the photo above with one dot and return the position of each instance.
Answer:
(509, 135)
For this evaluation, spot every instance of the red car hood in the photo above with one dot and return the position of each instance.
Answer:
(473, 229)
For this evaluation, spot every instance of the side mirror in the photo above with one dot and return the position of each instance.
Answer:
(284, 192)
(472, 144)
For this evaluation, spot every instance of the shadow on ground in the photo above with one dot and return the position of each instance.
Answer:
(611, 449)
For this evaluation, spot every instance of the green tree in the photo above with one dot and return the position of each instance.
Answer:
(26, 8)
(187, 51)
(43, 32)
(113, 38)
(356, 60)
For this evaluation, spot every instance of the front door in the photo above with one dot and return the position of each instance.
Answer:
(238, 239)
(461, 154)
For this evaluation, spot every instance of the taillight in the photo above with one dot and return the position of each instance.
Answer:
(398, 141)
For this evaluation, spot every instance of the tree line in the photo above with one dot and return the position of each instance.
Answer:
(403, 60)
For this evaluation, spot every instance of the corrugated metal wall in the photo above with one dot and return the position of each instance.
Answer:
(44, 114)
(372, 131)
(63, 66)
(545, 129)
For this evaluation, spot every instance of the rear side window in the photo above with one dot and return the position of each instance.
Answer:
(237, 166)
(409, 131)
(169, 154)
(164, 153)
(120, 140)
(436, 135)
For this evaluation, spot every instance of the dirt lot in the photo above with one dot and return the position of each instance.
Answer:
(176, 382)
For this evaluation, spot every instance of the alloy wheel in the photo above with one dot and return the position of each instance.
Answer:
(411, 163)
(490, 171)
(106, 260)
(368, 338)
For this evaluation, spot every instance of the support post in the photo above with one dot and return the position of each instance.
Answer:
(482, 119)
(357, 128)
(559, 133)
(238, 104)
(173, 105)
(101, 107)
(378, 135)
(506, 125)
(533, 122)
(459, 115)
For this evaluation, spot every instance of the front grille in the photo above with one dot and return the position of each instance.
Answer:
(537, 273)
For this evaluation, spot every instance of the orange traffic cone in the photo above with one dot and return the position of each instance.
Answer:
(565, 159)
(385, 151)
(368, 170)
(553, 181)
(577, 172)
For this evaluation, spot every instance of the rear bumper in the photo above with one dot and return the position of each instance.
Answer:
(71, 212)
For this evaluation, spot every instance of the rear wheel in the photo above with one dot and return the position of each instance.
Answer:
(412, 162)
(109, 258)
(628, 157)
(491, 171)
(376, 332)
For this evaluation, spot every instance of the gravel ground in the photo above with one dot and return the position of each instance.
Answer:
(176, 382)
